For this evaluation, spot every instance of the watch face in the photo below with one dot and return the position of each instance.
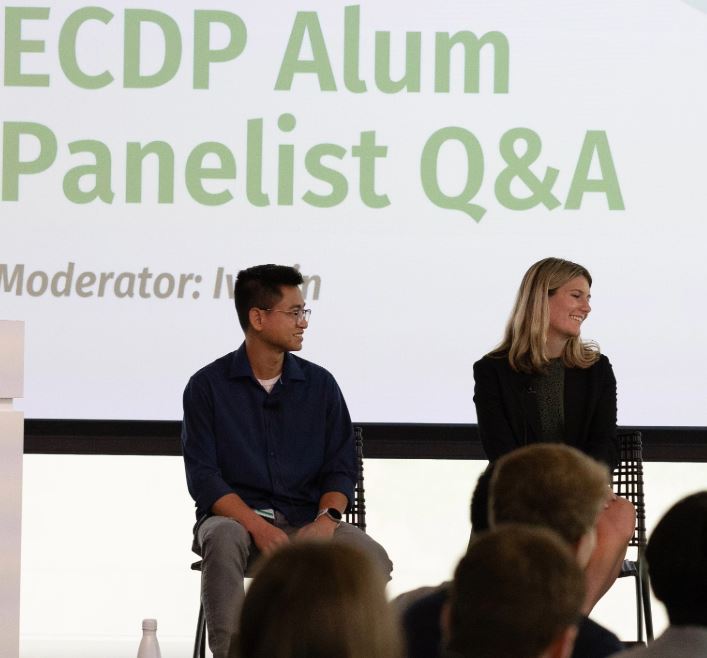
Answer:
(334, 513)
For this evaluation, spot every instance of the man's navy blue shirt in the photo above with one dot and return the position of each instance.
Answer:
(281, 450)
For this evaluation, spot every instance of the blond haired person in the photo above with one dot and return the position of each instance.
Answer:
(543, 383)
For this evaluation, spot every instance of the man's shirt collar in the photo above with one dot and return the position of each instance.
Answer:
(240, 366)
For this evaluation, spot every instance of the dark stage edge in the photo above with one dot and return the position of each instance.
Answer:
(381, 440)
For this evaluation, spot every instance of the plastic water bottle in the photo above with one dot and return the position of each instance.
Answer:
(149, 646)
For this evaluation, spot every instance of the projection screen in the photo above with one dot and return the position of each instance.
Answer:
(412, 159)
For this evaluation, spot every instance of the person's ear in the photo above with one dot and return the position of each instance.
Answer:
(256, 317)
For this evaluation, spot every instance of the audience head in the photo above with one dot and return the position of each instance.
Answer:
(480, 501)
(677, 561)
(526, 332)
(318, 600)
(259, 287)
(554, 486)
(516, 593)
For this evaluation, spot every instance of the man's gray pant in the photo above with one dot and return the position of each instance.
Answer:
(228, 553)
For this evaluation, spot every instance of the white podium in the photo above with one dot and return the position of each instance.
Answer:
(11, 450)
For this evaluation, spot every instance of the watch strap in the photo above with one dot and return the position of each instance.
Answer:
(332, 513)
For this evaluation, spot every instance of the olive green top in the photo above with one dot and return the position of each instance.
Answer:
(549, 388)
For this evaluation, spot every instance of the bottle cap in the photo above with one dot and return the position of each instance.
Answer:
(149, 624)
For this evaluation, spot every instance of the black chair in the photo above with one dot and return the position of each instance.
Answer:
(355, 515)
(628, 483)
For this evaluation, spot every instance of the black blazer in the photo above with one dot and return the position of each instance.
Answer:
(508, 417)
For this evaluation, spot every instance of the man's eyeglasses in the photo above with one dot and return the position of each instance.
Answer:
(297, 315)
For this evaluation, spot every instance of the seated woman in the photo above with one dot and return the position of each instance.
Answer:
(318, 600)
(544, 383)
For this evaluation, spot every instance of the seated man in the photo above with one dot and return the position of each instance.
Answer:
(516, 594)
(547, 485)
(268, 448)
(677, 565)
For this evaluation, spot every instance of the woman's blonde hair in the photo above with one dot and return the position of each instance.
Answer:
(524, 341)
(318, 600)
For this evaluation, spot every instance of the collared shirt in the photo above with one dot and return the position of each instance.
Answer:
(281, 450)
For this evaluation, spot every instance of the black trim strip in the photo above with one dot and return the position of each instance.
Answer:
(381, 440)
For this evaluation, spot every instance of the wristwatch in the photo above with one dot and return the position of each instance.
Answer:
(333, 513)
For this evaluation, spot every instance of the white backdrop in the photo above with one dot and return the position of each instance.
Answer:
(409, 294)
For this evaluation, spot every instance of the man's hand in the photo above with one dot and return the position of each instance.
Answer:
(265, 535)
(268, 538)
(321, 528)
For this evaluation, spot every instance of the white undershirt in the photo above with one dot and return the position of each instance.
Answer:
(268, 384)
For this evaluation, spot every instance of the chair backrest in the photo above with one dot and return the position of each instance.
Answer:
(356, 515)
(628, 481)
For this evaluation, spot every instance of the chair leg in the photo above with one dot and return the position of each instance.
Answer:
(646, 591)
(200, 637)
(639, 608)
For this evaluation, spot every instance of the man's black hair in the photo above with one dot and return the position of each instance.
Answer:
(259, 287)
(677, 561)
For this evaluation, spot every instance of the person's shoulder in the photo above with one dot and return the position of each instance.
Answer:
(433, 600)
(595, 640)
(422, 596)
(421, 623)
(214, 370)
(309, 369)
(638, 652)
(688, 641)
(492, 362)
(601, 366)
(591, 627)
